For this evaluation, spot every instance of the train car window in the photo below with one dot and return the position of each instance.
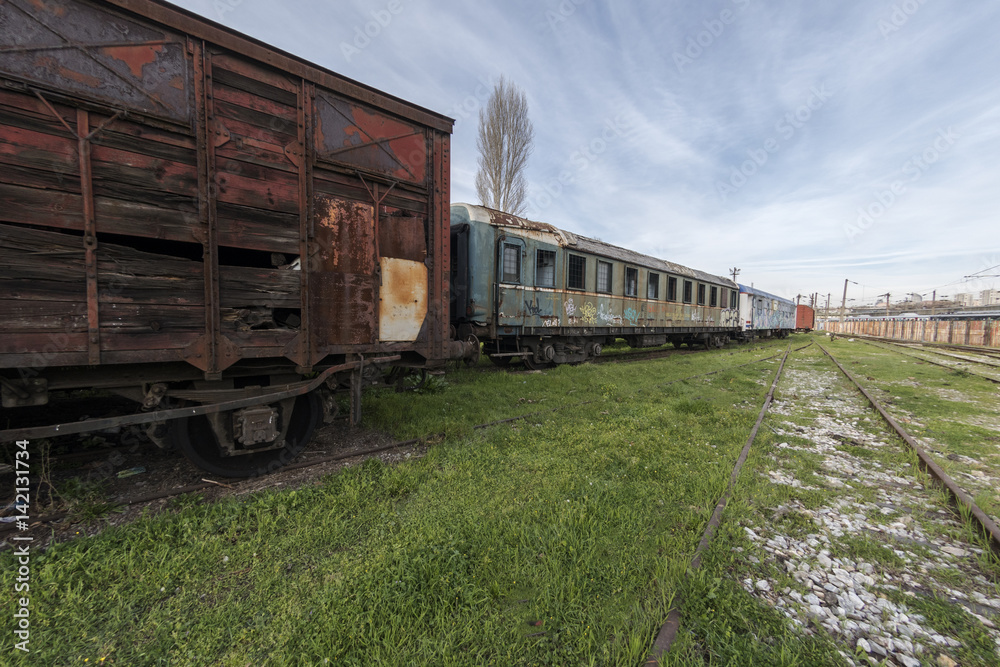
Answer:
(688, 291)
(653, 286)
(577, 272)
(714, 297)
(603, 276)
(671, 288)
(732, 299)
(701, 295)
(545, 268)
(631, 282)
(511, 263)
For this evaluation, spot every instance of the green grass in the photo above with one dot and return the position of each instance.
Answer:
(950, 618)
(952, 412)
(564, 538)
(560, 539)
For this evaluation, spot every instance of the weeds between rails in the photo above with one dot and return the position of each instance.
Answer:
(991, 352)
(898, 347)
(967, 506)
(668, 632)
(435, 552)
(207, 484)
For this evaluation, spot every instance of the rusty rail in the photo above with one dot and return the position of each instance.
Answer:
(988, 526)
(668, 632)
(871, 341)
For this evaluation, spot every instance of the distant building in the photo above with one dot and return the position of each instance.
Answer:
(989, 297)
(966, 300)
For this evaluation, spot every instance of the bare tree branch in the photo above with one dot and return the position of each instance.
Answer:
(505, 141)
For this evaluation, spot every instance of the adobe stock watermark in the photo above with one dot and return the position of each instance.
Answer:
(899, 16)
(363, 35)
(914, 169)
(786, 127)
(223, 7)
(704, 39)
(580, 160)
(562, 13)
(472, 102)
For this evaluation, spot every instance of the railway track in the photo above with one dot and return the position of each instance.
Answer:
(963, 505)
(958, 365)
(962, 500)
(668, 631)
(990, 352)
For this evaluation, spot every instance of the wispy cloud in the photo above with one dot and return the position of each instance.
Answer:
(653, 187)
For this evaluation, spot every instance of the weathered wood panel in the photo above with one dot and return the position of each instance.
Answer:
(256, 229)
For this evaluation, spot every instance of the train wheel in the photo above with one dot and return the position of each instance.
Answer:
(199, 442)
(474, 342)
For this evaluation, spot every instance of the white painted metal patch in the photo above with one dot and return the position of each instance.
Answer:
(402, 300)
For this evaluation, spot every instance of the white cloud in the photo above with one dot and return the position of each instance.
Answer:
(654, 187)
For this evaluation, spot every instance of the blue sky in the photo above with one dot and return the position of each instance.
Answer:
(805, 143)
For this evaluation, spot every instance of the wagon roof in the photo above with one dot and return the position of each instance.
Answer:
(570, 240)
(198, 26)
(758, 292)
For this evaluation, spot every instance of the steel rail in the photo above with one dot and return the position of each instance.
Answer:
(931, 361)
(931, 345)
(668, 631)
(988, 526)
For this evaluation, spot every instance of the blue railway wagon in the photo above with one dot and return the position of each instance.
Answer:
(765, 315)
(530, 290)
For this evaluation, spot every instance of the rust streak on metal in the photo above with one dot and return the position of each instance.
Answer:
(356, 124)
(56, 114)
(309, 351)
(89, 238)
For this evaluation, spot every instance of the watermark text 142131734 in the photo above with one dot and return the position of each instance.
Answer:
(22, 549)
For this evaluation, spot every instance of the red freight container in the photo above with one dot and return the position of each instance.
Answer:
(805, 318)
(189, 217)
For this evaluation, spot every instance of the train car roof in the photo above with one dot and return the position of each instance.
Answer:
(178, 18)
(565, 239)
(758, 292)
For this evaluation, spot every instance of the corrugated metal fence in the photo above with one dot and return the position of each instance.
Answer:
(981, 333)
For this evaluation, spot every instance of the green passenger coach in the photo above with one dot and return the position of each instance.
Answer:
(531, 290)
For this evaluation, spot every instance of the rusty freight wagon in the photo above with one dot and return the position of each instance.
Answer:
(221, 232)
(805, 318)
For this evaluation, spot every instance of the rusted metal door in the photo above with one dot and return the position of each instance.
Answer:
(342, 275)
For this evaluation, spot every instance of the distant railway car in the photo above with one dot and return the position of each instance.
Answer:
(530, 290)
(764, 315)
(220, 231)
(805, 318)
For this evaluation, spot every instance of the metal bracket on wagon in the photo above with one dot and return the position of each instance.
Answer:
(89, 425)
